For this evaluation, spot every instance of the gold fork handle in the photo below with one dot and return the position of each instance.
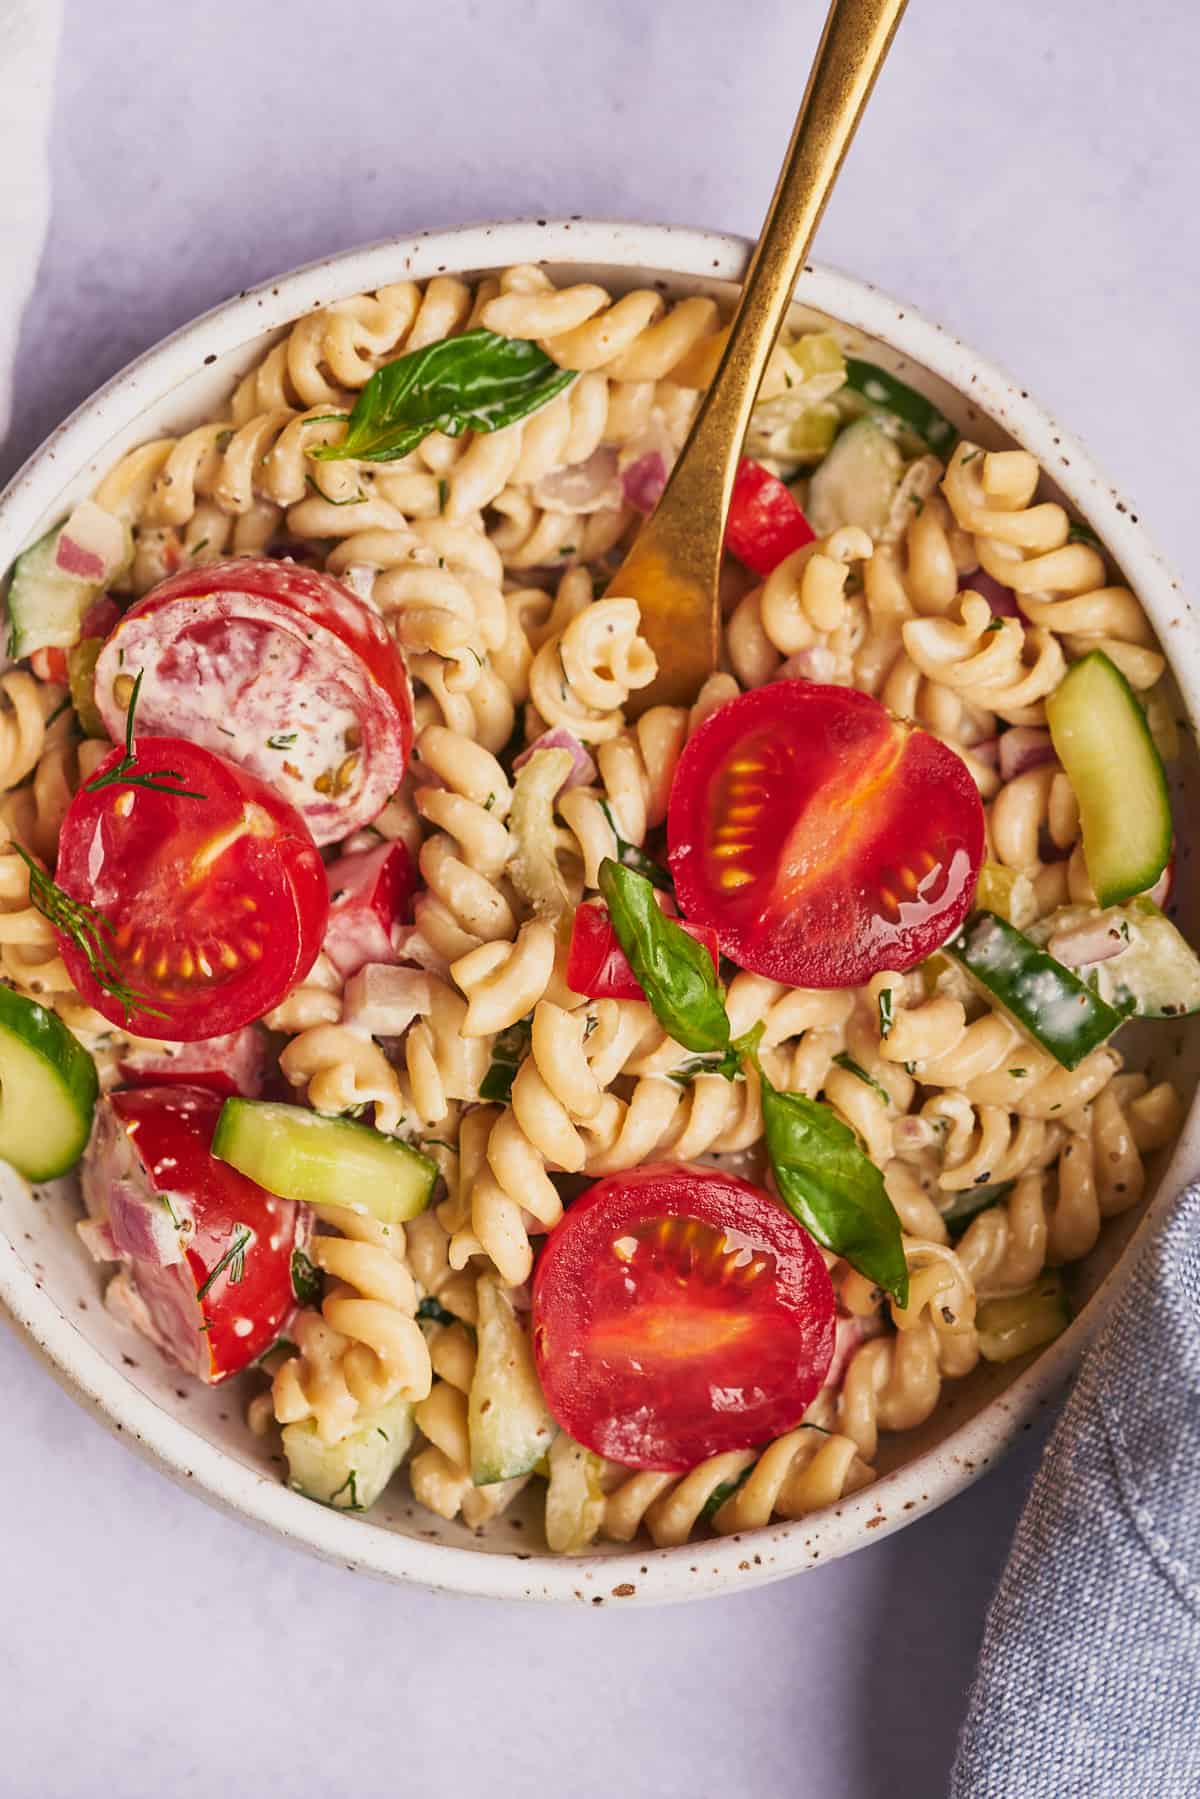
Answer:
(857, 37)
(673, 567)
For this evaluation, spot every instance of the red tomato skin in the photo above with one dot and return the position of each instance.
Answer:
(370, 891)
(100, 845)
(598, 967)
(315, 596)
(171, 1130)
(831, 930)
(765, 522)
(595, 1363)
(224, 625)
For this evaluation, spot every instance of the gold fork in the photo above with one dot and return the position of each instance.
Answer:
(673, 566)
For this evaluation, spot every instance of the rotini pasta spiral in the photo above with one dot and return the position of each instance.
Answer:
(803, 610)
(586, 669)
(463, 792)
(441, 1473)
(636, 338)
(364, 1347)
(1029, 547)
(327, 357)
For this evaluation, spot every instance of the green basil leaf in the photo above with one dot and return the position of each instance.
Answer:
(833, 1188)
(306, 1279)
(674, 971)
(476, 382)
(637, 859)
(728, 1063)
(508, 1052)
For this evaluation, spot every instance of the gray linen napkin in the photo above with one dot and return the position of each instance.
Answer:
(1088, 1684)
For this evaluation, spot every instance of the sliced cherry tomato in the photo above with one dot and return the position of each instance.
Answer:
(597, 965)
(765, 523)
(278, 667)
(679, 1312)
(209, 1252)
(821, 837)
(370, 892)
(215, 906)
(50, 664)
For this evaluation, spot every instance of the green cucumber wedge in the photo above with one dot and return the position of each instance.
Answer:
(47, 602)
(349, 1475)
(48, 1090)
(887, 393)
(1156, 974)
(857, 482)
(323, 1161)
(508, 1423)
(1049, 1001)
(1101, 737)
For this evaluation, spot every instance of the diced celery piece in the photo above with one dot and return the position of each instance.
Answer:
(1020, 1322)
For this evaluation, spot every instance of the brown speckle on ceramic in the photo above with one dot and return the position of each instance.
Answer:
(204, 1441)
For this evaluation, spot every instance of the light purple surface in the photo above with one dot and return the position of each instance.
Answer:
(1023, 180)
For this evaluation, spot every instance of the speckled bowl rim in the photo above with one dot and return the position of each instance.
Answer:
(702, 1568)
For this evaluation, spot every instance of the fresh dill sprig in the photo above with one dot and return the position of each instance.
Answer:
(155, 779)
(91, 933)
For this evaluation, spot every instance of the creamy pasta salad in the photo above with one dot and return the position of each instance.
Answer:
(641, 1105)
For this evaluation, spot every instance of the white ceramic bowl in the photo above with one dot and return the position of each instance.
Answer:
(51, 1289)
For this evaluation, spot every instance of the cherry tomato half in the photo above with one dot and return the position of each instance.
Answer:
(821, 837)
(765, 522)
(597, 965)
(679, 1312)
(278, 667)
(209, 1252)
(215, 906)
(370, 893)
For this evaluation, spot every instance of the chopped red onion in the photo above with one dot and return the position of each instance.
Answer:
(1001, 599)
(644, 480)
(1022, 748)
(1160, 893)
(987, 752)
(91, 545)
(582, 774)
(817, 663)
(911, 1135)
(1096, 940)
(849, 1332)
(583, 486)
(382, 999)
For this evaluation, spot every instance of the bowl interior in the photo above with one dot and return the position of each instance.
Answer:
(40, 1224)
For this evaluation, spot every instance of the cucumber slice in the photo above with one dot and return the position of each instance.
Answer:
(46, 604)
(1156, 976)
(857, 482)
(889, 394)
(48, 1090)
(509, 1426)
(1048, 1001)
(349, 1475)
(1014, 1325)
(798, 426)
(323, 1161)
(1101, 737)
